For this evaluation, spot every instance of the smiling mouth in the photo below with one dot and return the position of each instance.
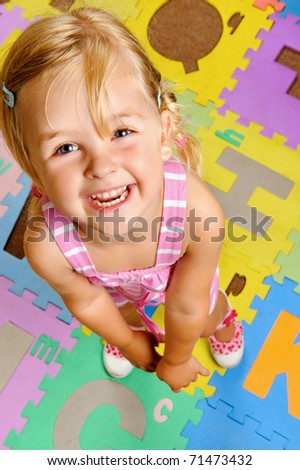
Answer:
(110, 198)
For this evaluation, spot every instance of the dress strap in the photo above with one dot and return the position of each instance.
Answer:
(174, 212)
(67, 238)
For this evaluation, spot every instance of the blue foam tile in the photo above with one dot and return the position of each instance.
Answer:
(217, 430)
(291, 7)
(24, 278)
(15, 205)
(272, 412)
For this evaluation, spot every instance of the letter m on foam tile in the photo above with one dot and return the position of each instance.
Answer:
(48, 345)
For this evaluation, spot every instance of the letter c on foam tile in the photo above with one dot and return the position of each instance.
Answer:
(85, 399)
(158, 416)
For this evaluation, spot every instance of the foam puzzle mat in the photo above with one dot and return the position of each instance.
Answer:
(241, 90)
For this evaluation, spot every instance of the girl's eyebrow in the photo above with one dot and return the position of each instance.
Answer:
(47, 136)
(126, 114)
(115, 117)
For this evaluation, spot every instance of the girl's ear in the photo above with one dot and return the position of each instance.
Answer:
(166, 134)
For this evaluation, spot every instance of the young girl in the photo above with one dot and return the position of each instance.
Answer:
(125, 223)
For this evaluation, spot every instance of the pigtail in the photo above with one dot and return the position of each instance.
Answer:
(34, 206)
(187, 146)
(189, 151)
(35, 201)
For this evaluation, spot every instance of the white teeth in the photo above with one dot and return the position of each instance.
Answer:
(122, 197)
(109, 194)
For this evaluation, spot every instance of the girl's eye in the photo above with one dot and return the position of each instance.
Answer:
(122, 133)
(67, 148)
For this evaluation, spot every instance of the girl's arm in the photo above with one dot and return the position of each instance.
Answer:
(90, 304)
(187, 303)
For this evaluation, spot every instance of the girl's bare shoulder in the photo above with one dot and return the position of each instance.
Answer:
(200, 197)
(41, 250)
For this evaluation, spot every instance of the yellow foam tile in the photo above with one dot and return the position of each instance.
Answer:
(219, 63)
(271, 153)
(119, 8)
(33, 10)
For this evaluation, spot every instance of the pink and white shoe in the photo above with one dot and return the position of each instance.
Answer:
(115, 363)
(228, 353)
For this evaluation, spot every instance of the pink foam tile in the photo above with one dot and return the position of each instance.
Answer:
(23, 384)
(263, 4)
(10, 172)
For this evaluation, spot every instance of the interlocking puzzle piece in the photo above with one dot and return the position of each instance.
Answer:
(264, 79)
(23, 364)
(217, 430)
(10, 173)
(196, 115)
(19, 271)
(24, 278)
(227, 137)
(231, 264)
(138, 412)
(249, 175)
(263, 4)
(290, 263)
(235, 39)
(292, 7)
(11, 207)
(11, 18)
(285, 352)
(120, 8)
(33, 10)
(265, 385)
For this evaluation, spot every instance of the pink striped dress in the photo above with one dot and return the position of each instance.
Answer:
(141, 287)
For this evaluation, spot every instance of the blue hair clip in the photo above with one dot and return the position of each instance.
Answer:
(10, 100)
(159, 98)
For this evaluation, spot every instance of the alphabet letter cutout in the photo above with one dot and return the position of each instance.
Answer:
(278, 355)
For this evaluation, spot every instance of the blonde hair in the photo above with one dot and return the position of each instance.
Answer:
(47, 46)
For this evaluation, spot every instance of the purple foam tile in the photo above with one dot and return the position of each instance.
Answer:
(261, 93)
(10, 20)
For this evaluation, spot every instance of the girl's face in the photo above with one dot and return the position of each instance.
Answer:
(86, 176)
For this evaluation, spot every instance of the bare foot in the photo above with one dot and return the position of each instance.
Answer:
(225, 334)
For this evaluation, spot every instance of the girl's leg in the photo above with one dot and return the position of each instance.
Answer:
(225, 333)
(114, 362)
(131, 316)
(215, 319)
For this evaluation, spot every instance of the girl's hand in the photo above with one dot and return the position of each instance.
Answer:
(180, 376)
(141, 351)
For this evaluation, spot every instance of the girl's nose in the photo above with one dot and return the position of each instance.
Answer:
(101, 162)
